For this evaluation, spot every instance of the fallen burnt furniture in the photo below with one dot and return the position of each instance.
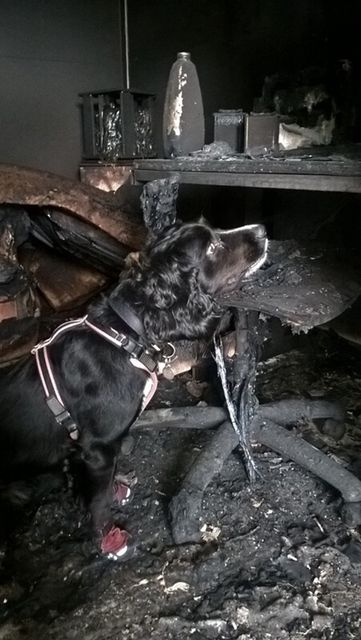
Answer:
(60, 243)
(304, 289)
(29, 187)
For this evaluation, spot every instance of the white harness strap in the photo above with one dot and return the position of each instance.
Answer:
(51, 390)
(52, 393)
(118, 339)
(62, 328)
(150, 386)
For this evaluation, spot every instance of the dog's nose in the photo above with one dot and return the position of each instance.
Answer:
(259, 231)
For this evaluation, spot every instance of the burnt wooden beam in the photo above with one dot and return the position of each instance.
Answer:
(291, 446)
(291, 163)
(180, 418)
(244, 364)
(303, 182)
(185, 506)
(340, 171)
(29, 187)
(284, 412)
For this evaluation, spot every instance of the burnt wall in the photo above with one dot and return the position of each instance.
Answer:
(50, 50)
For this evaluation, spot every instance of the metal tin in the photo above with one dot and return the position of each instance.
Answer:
(261, 133)
(228, 127)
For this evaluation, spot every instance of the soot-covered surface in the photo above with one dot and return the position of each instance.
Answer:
(276, 563)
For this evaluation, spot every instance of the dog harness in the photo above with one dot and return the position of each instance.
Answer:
(140, 357)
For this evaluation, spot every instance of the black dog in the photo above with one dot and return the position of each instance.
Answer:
(167, 294)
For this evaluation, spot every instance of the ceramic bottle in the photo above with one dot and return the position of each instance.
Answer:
(183, 117)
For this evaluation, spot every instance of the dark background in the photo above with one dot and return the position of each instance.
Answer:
(51, 50)
(236, 43)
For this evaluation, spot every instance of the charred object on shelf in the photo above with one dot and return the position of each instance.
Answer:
(117, 124)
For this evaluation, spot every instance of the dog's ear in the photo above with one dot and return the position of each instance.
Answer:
(158, 202)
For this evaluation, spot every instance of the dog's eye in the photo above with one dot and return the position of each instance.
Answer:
(213, 246)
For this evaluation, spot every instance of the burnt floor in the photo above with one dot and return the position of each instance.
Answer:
(276, 563)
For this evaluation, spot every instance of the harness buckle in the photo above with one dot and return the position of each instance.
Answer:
(147, 361)
(63, 417)
(121, 338)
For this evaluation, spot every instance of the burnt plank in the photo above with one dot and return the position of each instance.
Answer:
(301, 182)
(19, 185)
(303, 286)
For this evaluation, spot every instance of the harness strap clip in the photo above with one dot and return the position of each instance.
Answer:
(121, 339)
(147, 361)
(63, 417)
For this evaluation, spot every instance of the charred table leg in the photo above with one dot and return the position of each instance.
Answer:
(185, 507)
(264, 423)
(249, 338)
(306, 455)
(284, 412)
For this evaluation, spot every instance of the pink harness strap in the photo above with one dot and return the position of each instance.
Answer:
(51, 390)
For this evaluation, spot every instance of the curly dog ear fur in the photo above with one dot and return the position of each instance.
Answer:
(174, 304)
(162, 286)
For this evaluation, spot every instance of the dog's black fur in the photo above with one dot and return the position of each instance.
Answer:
(171, 288)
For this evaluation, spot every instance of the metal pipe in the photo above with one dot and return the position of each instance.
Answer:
(126, 43)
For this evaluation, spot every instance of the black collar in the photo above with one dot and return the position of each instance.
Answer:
(131, 335)
(127, 315)
(138, 343)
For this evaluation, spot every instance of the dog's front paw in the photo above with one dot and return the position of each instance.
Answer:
(115, 543)
(121, 492)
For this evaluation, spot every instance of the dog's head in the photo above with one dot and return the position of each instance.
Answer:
(173, 284)
(183, 267)
(218, 259)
